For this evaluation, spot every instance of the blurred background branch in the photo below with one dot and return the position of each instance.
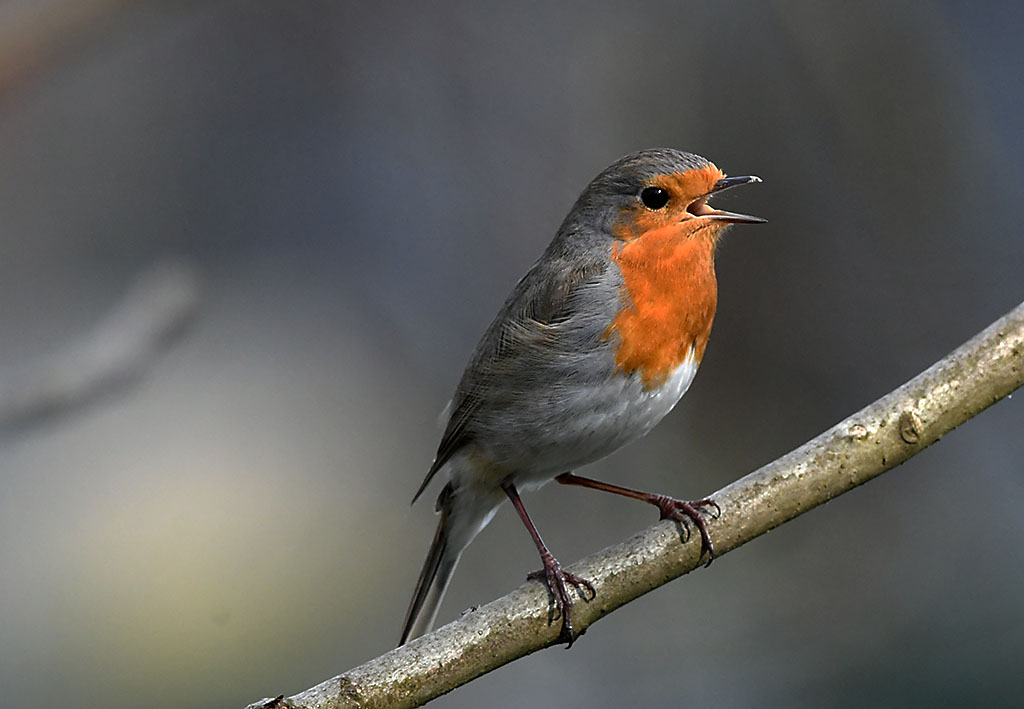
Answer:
(127, 340)
(877, 438)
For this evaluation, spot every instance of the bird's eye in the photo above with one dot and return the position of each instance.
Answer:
(654, 197)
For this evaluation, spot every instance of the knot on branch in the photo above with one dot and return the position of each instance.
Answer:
(911, 427)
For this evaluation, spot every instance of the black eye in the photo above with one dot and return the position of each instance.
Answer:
(654, 197)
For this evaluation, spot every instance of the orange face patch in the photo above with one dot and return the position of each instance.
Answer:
(670, 292)
(684, 188)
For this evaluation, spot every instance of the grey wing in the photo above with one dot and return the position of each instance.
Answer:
(521, 330)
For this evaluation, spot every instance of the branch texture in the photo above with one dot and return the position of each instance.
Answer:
(875, 439)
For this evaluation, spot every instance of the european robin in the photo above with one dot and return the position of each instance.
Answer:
(597, 342)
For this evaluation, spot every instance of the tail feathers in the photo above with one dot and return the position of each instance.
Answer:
(434, 578)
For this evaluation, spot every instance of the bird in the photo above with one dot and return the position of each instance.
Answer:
(594, 346)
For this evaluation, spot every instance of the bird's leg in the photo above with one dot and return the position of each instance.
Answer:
(679, 510)
(553, 573)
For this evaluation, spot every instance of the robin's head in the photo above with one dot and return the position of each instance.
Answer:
(658, 189)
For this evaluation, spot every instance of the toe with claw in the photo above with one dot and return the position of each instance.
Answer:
(558, 580)
(685, 512)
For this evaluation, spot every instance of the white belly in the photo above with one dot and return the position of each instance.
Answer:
(646, 408)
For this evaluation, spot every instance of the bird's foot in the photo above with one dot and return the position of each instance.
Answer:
(684, 512)
(557, 579)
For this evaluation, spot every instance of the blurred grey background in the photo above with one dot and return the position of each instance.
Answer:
(359, 186)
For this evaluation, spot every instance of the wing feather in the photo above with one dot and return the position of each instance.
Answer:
(525, 326)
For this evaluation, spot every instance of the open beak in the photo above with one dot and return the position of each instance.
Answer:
(701, 208)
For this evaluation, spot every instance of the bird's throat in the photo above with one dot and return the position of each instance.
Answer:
(669, 295)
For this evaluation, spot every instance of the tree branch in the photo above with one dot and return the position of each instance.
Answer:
(873, 440)
(146, 320)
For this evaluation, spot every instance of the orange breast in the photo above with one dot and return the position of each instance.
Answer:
(670, 294)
